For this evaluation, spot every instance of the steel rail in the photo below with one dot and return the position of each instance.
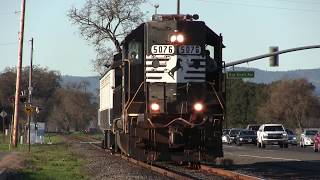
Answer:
(204, 168)
(156, 169)
(226, 173)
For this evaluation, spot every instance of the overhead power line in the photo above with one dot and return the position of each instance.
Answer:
(9, 13)
(8, 43)
(300, 2)
(259, 6)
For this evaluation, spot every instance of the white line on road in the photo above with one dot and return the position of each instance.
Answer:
(263, 157)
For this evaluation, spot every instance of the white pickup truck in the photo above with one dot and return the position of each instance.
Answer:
(272, 134)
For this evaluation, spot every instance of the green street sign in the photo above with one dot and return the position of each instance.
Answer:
(240, 74)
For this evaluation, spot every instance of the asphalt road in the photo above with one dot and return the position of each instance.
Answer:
(274, 162)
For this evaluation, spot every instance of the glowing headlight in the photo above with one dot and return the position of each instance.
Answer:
(155, 107)
(198, 107)
(180, 38)
(177, 38)
(173, 38)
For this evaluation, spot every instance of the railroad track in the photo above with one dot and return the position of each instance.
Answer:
(171, 170)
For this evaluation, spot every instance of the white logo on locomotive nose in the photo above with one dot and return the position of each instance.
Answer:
(176, 68)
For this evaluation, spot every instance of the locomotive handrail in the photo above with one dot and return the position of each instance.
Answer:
(127, 105)
(177, 119)
(134, 96)
(216, 93)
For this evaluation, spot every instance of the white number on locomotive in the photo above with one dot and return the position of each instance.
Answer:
(189, 49)
(162, 49)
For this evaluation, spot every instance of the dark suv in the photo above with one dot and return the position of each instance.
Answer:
(254, 127)
(246, 137)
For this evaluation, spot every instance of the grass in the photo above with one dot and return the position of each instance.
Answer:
(51, 162)
(96, 135)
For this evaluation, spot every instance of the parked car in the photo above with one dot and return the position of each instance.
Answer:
(246, 137)
(231, 137)
(317, 142)
(292, 137)
(254, 127)
(272, 134)
(307, 137)
(225, 133)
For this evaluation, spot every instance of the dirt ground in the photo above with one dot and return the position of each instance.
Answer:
(10, 165)
(12, 161)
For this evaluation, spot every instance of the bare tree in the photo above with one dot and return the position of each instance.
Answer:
(103, 21)
(66, 115)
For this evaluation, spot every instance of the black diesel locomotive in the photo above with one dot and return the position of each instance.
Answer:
(163, 96)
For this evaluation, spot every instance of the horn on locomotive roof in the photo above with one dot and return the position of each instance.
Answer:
(178, 7)
(167, 17)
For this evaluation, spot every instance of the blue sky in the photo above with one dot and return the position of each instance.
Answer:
(249, 27)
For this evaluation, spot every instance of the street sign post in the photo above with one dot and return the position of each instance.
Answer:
(3, 114)
(240, 74)
(29, 110)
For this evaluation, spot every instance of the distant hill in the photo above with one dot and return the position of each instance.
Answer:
(261, 76)
(93, 82)
(312, 75)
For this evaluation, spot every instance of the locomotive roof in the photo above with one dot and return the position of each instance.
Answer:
(179, 19)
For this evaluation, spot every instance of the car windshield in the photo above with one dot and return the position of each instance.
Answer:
(289, 132)
(234, 131)
(273, 128)
(255, 127)
(311, 132)
(247, 133)
(225, 131)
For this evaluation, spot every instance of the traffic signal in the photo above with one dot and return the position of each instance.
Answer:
(38, 109)
(274, 60)
(23, 97)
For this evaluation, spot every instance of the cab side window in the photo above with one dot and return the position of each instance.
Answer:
(135, 52)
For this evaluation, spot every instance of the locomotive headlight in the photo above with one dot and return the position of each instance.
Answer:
(180, 38)
(155, 107)
(198, 107)
(173, 38)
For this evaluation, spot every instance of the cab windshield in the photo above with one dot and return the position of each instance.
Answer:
(247, 133)
(311, 132)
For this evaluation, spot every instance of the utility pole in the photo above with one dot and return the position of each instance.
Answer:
(178, 7)
(30, 93)
(17, 94)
